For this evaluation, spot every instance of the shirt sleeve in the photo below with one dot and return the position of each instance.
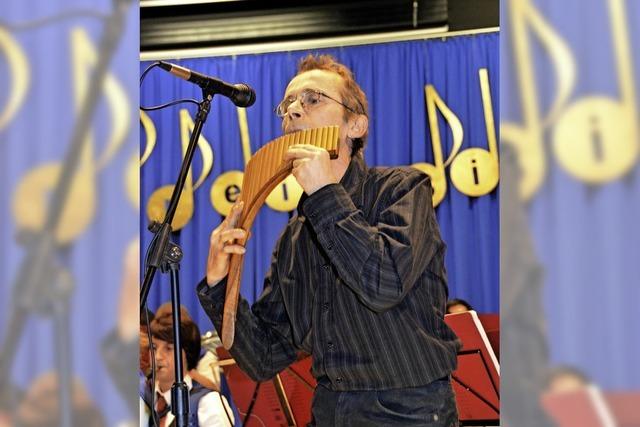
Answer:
(263, 343)
(211, 413)
(382, 261)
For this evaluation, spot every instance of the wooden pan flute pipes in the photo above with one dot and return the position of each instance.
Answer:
(266, 169)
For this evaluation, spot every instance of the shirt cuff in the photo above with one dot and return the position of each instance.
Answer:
(212, 297)
(327, 205)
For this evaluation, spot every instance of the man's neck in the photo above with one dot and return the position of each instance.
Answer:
(164, 387)
(339, 166)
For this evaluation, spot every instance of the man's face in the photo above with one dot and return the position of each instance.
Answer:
(165, 367)
(326, 113)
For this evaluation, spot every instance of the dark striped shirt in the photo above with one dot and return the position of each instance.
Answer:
(357, 280)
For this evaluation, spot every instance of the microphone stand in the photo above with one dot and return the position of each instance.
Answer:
(30, 293)
(166, 255)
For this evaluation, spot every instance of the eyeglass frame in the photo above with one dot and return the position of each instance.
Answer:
(316, 91)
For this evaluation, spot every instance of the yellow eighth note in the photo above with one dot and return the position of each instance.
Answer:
(226, 190)
(436, 170)
(32, 196)
(227, 187)
(20, 74)
(132, 173)
(527, 138)
(85, 57)
(596, 138)
(159, 199)
(150, 134)
(475, 171)
(286, 195)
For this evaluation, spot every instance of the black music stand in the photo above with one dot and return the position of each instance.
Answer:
(284, 401)
(476, 381)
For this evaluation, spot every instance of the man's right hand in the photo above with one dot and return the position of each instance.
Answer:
(222, 245)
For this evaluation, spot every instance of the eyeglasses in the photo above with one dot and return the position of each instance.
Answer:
(309, 98)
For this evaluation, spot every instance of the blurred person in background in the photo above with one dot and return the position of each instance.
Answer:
(458, 305)
(566, 378)
(208, 407)
(198, 373)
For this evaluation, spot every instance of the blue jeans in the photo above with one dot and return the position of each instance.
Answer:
(432, 405)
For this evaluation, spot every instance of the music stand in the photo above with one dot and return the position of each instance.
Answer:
(476, 381)
(584, 407)
(284, 401)
(491, 325)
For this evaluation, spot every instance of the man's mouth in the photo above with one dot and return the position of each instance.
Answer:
(293, 129)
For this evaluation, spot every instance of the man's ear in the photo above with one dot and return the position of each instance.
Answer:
(358, 125)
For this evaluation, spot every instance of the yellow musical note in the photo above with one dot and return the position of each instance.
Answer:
(20, 75)
(475, 171)
(596, 138)
(132, 174)
(151, 136)
(159, 199)
(227, 187)
(436, 170)
(527, 139)
(226, 190)
(186, 126)
(114, 95)
(243, 124)
(285, 196)
(30, 200)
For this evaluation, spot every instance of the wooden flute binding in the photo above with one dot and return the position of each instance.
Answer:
(264, 171)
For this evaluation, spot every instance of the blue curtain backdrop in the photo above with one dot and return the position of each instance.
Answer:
(59, 42)
(585, 230)
(393, 76)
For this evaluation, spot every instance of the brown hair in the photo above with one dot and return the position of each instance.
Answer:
(162, 329)
(352, 94)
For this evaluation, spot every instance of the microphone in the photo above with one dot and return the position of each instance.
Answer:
(240, 94)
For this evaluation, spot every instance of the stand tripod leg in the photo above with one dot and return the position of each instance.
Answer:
(284, 402)
(179, 391)
(63, 362)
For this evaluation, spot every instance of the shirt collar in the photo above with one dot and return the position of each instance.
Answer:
(167, 394)
(351, 180)
(354, 174)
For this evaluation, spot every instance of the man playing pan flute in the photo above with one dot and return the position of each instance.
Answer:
(357, 278)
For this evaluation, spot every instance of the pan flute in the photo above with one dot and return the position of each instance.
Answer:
(266, 169)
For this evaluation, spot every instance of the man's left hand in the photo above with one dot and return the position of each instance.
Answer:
(311, 167)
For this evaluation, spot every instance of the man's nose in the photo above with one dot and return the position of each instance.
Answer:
(161, 354)
(295, 110)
